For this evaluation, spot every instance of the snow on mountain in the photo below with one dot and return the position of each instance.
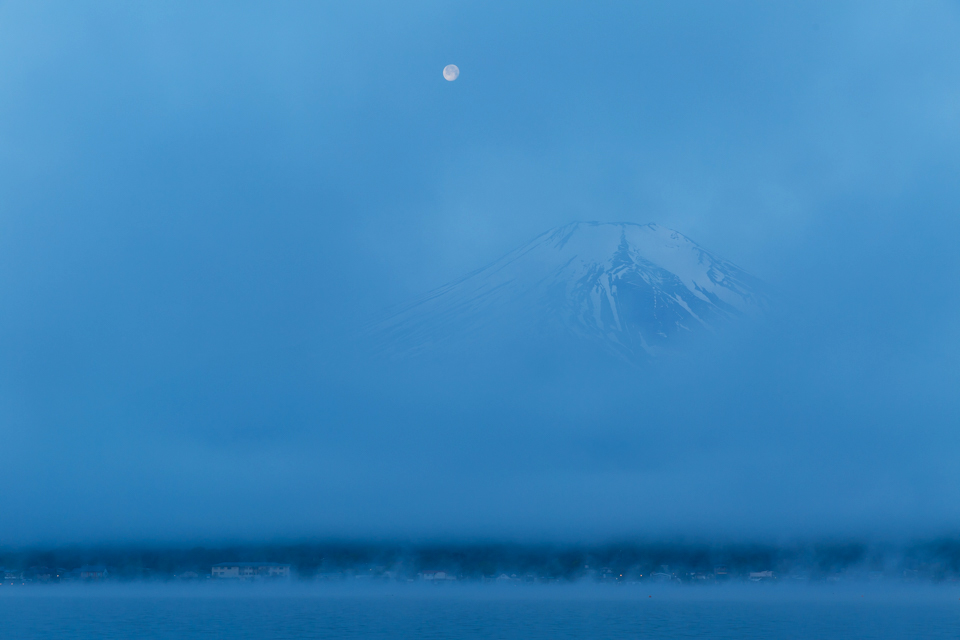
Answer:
(631, 288)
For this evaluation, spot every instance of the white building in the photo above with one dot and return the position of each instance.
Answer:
(437, 576)
(250, 570)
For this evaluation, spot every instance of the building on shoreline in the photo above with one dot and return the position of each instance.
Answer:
(436, 576)
(762, 576)
(250, 570)
(92, 572)
(11, 577)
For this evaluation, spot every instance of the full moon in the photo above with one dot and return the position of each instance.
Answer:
(451, 72)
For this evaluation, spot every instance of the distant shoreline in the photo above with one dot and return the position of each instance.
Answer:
(928, 562)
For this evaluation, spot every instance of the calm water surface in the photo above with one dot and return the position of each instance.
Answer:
(477, 612)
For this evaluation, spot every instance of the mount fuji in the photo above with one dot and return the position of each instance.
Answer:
(630, 289)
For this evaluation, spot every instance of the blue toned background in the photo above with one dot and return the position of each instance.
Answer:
(202, 205)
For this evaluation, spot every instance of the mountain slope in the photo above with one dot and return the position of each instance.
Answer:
(630, 288)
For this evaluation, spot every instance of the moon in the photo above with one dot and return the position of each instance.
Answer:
(451, 72)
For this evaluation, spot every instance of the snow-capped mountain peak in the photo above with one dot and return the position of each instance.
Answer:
(631, 288)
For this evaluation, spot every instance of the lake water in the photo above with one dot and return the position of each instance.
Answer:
(467, 612)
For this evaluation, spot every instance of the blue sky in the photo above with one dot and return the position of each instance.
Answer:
(199, 204)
